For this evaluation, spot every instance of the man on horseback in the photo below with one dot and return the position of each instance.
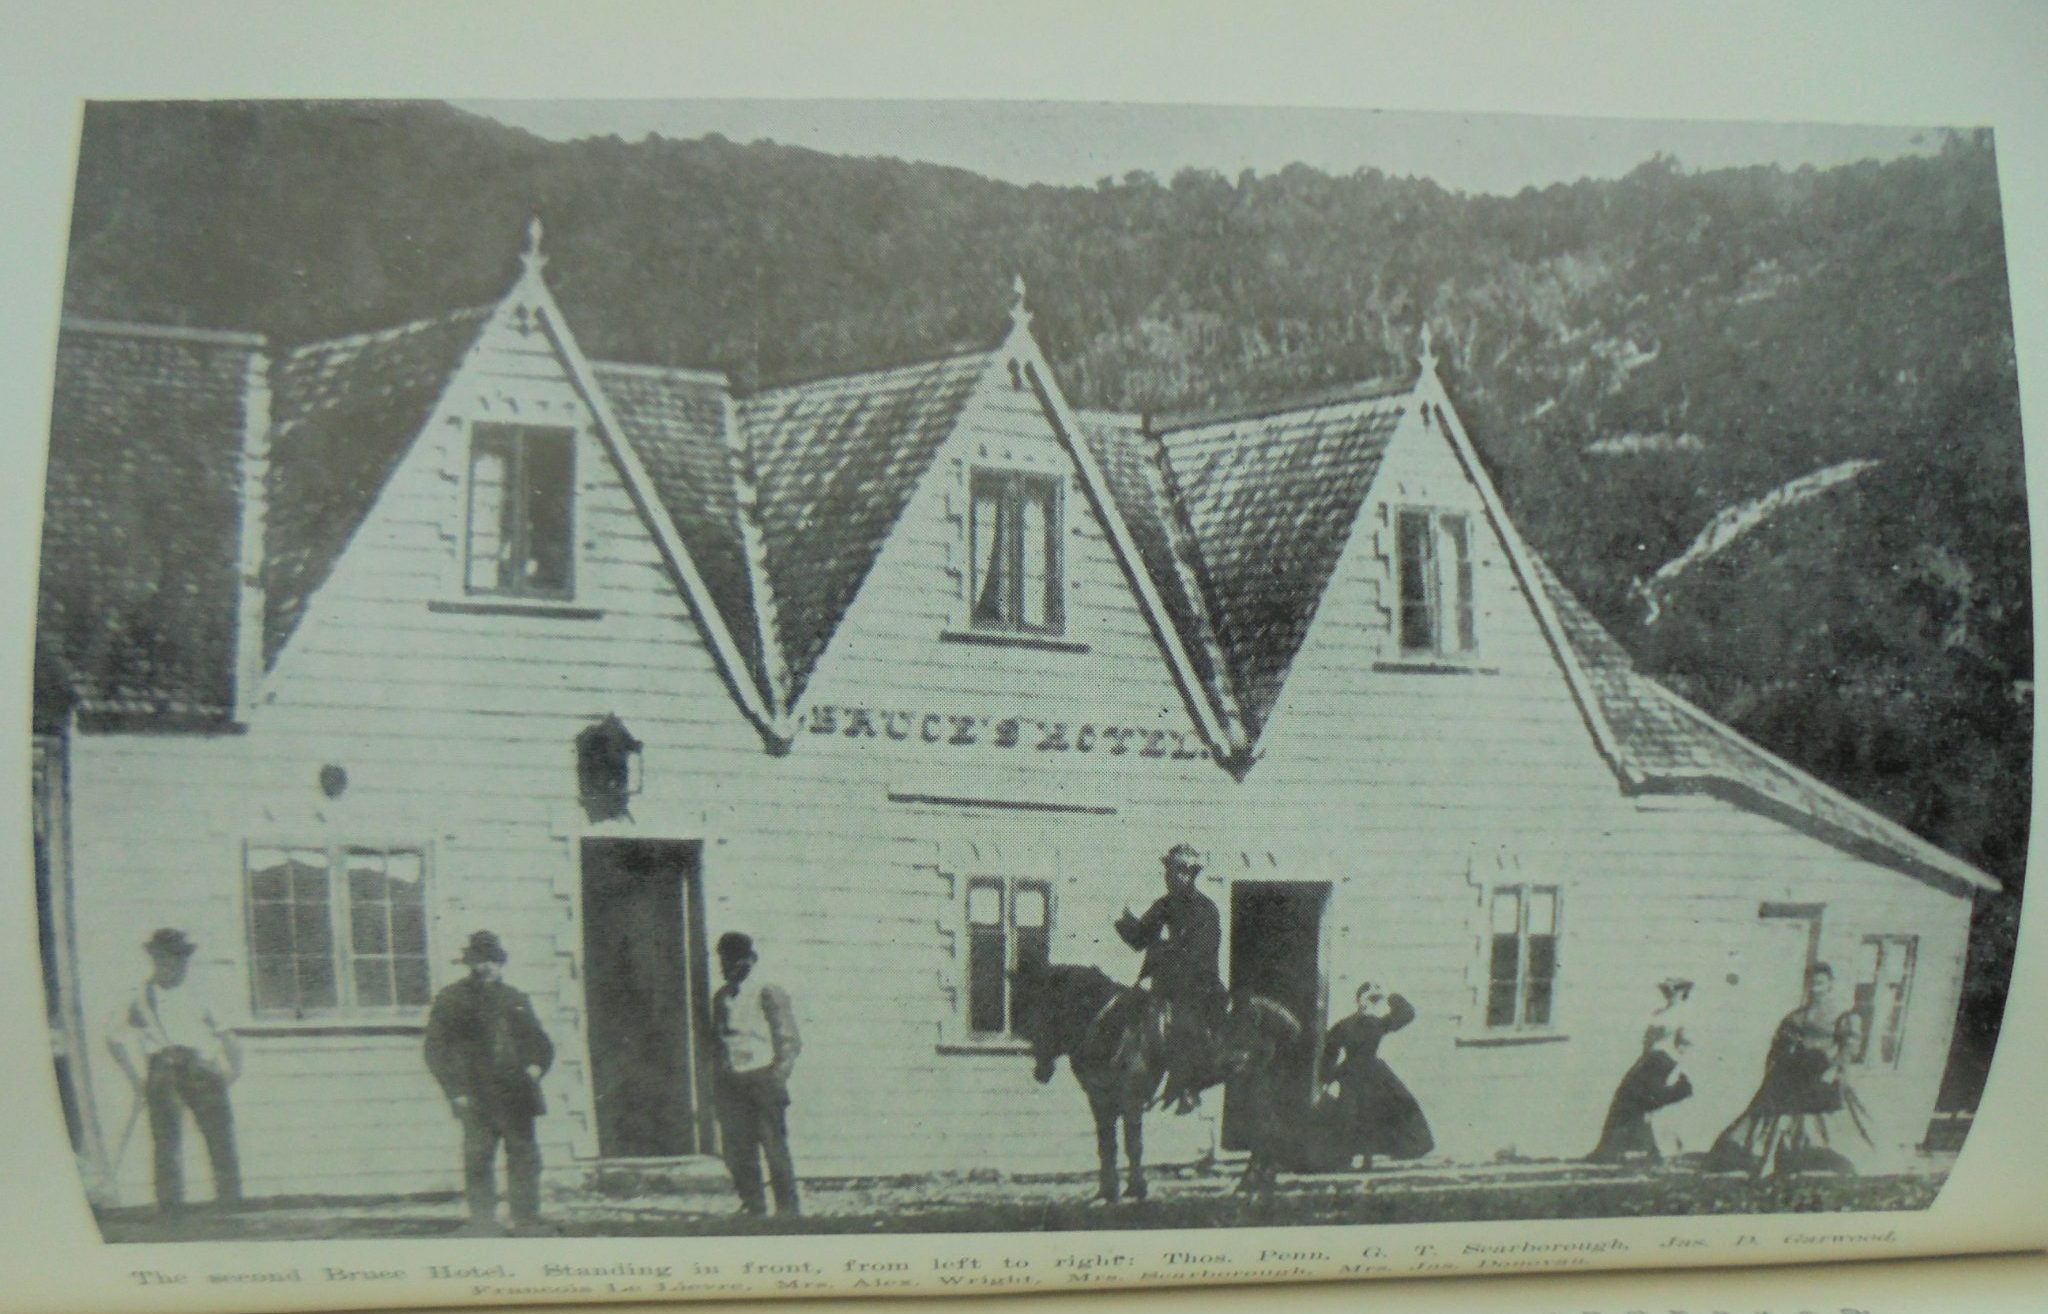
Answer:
(1182, 937)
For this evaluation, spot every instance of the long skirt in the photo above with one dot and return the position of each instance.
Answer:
(1378, 1117)
(1796, 1123)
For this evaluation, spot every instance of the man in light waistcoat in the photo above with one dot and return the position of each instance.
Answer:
(188, 1060)
(757, 1049)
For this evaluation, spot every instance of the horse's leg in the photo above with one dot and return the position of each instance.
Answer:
(1105, 1148)
(1134, 1147)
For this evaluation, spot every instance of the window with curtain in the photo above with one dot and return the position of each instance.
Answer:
(1434, 582)
(1014, 547)
(520, 539)
(1009, 927)
(337, 928)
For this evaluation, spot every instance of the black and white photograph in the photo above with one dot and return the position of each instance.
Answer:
(710, 667)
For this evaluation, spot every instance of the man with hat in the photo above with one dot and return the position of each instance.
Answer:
(757, 1049)
(486, 1048)
(1182, 936)
(189, 1059)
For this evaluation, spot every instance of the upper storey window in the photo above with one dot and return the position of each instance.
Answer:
(1014, 540)
(522, 497)
(1435, 573)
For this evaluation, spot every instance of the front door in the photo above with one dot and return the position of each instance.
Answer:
(1276, 935)
(647, 985)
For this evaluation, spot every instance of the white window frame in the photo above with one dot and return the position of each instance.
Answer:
(1013, 623)
(1873, 1011)
(340, 911)
(968, 925)
(466, 587)
(1449, 589)
(1520, 1023)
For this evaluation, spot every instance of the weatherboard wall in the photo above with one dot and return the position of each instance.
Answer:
(1409, 791)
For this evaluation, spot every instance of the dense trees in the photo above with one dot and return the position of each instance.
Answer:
(1632, 355)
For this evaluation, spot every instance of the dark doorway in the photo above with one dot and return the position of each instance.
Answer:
(647, 983)
(1276, 934)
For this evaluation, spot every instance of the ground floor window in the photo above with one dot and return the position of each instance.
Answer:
(335, 928)
(1009, 926)
(1521, 968)
(1884, 982)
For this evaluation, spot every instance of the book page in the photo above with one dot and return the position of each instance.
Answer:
(763, 672)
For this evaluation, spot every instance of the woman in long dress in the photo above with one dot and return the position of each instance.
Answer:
(1804, 1116)
(1375, 1113)
(1654, 1081)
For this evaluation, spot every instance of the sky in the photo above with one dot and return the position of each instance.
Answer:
(1070, 143)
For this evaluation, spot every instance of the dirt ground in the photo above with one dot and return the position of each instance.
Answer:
(1179, 1199)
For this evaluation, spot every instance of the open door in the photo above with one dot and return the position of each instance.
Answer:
(647, 986)
(1276, 937)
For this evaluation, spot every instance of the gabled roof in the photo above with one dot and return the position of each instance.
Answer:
(344, 412)
(836, 461)
(1668, 745)
(676, 421)
(1271, 497)
(136, 612)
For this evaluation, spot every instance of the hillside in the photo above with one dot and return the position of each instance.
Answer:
(1632, 356)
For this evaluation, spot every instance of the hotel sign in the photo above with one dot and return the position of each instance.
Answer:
(1012, 733)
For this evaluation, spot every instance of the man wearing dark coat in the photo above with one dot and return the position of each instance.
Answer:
(1182, 936)
(486, 1048)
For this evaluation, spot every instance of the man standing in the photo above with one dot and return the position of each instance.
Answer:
(1182, 936)
(487, 1049)
(757, 1049)
(188, 1062)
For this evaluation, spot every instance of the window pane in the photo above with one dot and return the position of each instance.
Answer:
(316, 982)
(368, 933)
(1542, 978)
(984, 904)
(1500, 985)
(992, 533)
(270, 928)
(311, 933)
(1458, 538)
(1416, 567)
(550, 494)
(409, 981)
(1037, 547)
(1542, 911)
(1029, 908)
(407, 879)
(986, 1009)
(490, 471)
(1507, 912)
(409, 929)
(373, 983)
(275, 984)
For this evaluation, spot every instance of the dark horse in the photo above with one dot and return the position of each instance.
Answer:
(1104, 1030)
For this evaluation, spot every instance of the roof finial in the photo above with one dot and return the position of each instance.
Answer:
(1020, 317)
(531, 256)
(1427, 355)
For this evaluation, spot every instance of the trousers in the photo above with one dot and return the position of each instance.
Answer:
(753, 1122)
(483, 1127)
(179, 1079)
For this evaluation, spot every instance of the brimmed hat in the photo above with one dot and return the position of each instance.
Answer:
(1184, 856)
(483, 947)
(735, 944)
(172, 942)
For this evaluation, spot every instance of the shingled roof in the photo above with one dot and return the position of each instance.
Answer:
(836, 461)
(676, 422)
(345, 411)
(1133, 465)
(136, 613)
(1668, 744)
(1271, 497)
